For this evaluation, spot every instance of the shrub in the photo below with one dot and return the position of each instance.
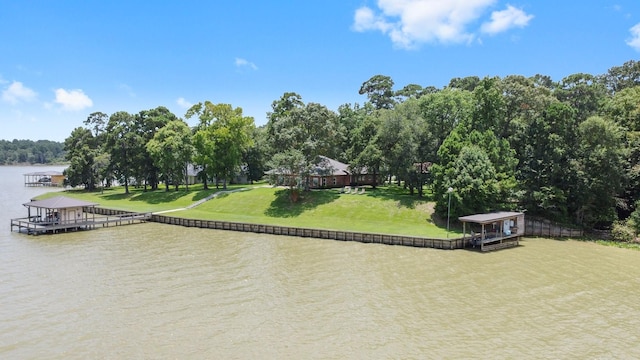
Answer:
(621, 231)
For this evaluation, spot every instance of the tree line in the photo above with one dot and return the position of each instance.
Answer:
(567, 150)
(31, 152)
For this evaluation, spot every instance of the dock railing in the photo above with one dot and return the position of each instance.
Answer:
(37, 225)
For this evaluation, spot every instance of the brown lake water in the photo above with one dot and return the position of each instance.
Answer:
(168, 292)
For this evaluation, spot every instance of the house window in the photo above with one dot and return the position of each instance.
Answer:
(335, 181)
(324, 182)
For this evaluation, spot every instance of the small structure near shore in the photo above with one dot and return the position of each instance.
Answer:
(44, 178)
(62, 213)
(497, 230)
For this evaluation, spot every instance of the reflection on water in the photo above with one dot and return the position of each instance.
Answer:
(161, 291)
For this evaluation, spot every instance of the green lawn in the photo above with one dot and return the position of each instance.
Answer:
(140, 200)
(387, 210)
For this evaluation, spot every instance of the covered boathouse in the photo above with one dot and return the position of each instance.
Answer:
(493, 231)
(63, 213)
(44, 178)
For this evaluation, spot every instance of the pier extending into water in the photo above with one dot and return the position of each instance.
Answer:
(35, 226)
(61, 213)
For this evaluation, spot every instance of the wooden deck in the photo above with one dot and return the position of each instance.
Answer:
(495, 242)
(42, 183)
(34, 226)
(499, 230)
(44, 178)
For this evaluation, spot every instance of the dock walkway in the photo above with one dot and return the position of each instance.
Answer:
(34, 226)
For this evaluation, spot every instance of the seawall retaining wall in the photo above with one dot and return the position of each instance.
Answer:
(415, 241)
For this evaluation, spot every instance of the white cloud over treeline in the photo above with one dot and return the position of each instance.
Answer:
(634, 41)
(410, 23)
(72, 100)
(17, 92)
(183, 103)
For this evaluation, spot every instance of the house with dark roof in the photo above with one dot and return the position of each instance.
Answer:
(329, 173)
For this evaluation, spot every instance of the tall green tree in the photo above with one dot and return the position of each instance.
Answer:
(310, 129)
(379, 91)
(413, 91)
(292, 168)
(472, 179)
(442, 112)
(601, 157)
(481, 129)
(81, 152)
(526, 100)
(624, 109)
(396, 142)
(147, 123)
(584, 92)
(490, 107)
(254, 156)
(623, 77)
(547, 170)
(468, 83)
(221, 139)
(125, 146)
(232, 137)
(97, 122)
(403, 141)
(171, 150)
(363, 151)
(202, 142)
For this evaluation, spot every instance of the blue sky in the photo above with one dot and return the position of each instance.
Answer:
(62, 60)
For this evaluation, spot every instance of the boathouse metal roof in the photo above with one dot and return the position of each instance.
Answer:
(489, 217)
(44, 173)
(59, 202)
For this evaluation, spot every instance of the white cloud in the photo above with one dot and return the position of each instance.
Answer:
(365, 20)
(183, 103)
(127, 89)
(72, 100)
(634, 42)
(505, 20)
(411, 22)
(16, 92)
(242, 63)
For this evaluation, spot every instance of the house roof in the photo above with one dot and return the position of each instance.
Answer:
(327, 166)
(193, 170)
(324, 167)
(44, 173)
(58, 202)
(489, 217)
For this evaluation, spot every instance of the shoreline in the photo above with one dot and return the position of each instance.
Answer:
(323, 234)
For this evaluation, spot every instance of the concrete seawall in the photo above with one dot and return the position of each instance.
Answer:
(404, 240)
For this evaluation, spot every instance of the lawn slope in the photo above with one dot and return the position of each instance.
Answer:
(383, 210)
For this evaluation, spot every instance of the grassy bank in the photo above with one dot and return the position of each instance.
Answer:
(387, 210)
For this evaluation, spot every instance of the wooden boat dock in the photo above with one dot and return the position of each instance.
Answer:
(35, 226)
(44, 178)
(62, 214)
(496, 231)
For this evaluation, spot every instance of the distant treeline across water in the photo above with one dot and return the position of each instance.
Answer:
(31, 152)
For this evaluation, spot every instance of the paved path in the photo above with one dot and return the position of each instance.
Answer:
(214, 195)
